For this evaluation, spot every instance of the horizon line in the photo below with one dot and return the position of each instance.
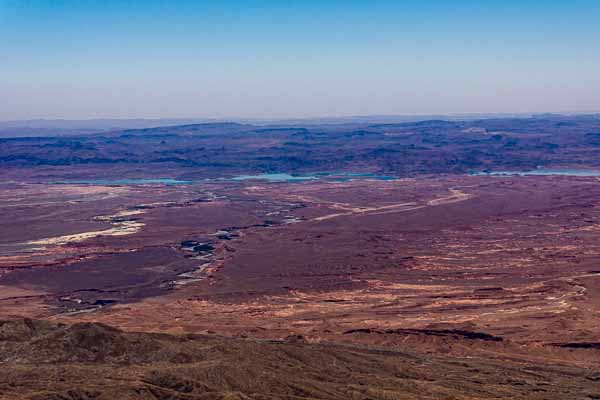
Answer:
(300, 118)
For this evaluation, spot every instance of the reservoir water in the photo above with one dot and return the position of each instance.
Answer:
(278, 177)
(269, 177)
(329, 176)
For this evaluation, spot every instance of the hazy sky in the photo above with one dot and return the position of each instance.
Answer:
(90, 59)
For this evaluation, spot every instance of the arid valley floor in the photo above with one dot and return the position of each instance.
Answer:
(392, 280)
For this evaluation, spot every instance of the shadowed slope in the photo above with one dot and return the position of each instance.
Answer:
(41, 360)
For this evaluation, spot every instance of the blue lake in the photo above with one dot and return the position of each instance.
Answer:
(347, 176)
(280, 177)
(270, 177)
(331, 176)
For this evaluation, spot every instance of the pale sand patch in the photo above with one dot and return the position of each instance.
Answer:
(125, 213)
(369, 210)
(123, 228)
(445, 303)
(120, 228)
(406, 286)
(455, 196)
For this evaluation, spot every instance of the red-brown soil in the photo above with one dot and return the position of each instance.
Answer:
(514, 257)
(467, 272)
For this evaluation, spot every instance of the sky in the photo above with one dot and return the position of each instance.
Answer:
(278, 59)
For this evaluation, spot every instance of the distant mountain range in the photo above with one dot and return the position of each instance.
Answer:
(214, 149)
(68, 127)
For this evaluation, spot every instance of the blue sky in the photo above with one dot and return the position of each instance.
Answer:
(90, 59)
